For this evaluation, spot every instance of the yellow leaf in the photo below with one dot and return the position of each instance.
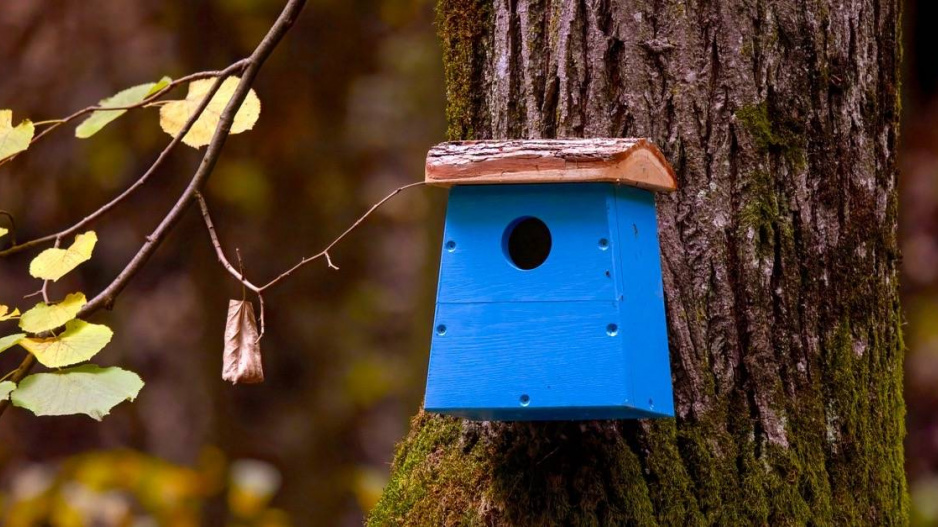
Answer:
(3, 232)
(14, 139)
(43, 317)
(79, 342)
(9, 341)
(53, 264)
(173, 115)
(6, 315)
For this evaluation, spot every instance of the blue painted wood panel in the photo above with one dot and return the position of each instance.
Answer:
(475, 267)
(642, 302)
(582, 336)
(506, 355)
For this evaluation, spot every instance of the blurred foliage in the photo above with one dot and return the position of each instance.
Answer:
(918, 233)
(124, 487)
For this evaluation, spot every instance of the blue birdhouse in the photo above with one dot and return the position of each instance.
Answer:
(550, 303)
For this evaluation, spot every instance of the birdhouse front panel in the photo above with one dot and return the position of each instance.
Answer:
(550, 305)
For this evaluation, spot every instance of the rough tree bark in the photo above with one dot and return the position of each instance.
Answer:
(779, 255)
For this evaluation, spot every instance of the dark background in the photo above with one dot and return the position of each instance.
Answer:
(351, 101)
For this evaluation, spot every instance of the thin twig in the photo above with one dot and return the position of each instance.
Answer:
(45, 283)
(219, 252)
(55, 123)
(94, 216)
(240, 276)
(25, 365)
(241, 270)
(106, 298)
(260, 299)
(12, 221)
(325, 252)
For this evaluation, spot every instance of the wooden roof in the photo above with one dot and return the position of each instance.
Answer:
(628, 161)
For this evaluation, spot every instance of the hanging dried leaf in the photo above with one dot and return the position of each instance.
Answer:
(242, 360)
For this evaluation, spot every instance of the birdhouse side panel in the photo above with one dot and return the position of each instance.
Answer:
(645, 338)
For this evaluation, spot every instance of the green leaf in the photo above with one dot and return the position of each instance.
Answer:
(88, 389)
(9, 341)
(55, 263)
(14, 139)
(101, 118)
(160, 84)
(5, 388)
(79, 342)
(43, 317)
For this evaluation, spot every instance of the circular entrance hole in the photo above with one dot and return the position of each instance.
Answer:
(527, 242)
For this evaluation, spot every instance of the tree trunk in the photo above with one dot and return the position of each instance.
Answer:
(778, 250)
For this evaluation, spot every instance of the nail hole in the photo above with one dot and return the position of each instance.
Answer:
(603, 244)
(525, 400)
(608, 274)
(612, 330)
(441, 329)
(451, 246)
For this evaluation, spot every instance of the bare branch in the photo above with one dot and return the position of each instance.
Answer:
(12, 221)
(91, 218)
(253, 64)
(325, 252)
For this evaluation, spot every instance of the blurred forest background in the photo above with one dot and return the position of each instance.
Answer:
(351, 101)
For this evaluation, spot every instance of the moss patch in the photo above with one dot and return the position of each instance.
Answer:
(773, 133)
(462, 26)
(433, 482)
(763, 214)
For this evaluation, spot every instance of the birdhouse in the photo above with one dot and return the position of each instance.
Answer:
(550, 302)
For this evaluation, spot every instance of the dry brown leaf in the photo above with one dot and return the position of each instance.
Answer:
(242, 360)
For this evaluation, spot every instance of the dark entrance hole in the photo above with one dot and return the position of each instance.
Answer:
(527, 242)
